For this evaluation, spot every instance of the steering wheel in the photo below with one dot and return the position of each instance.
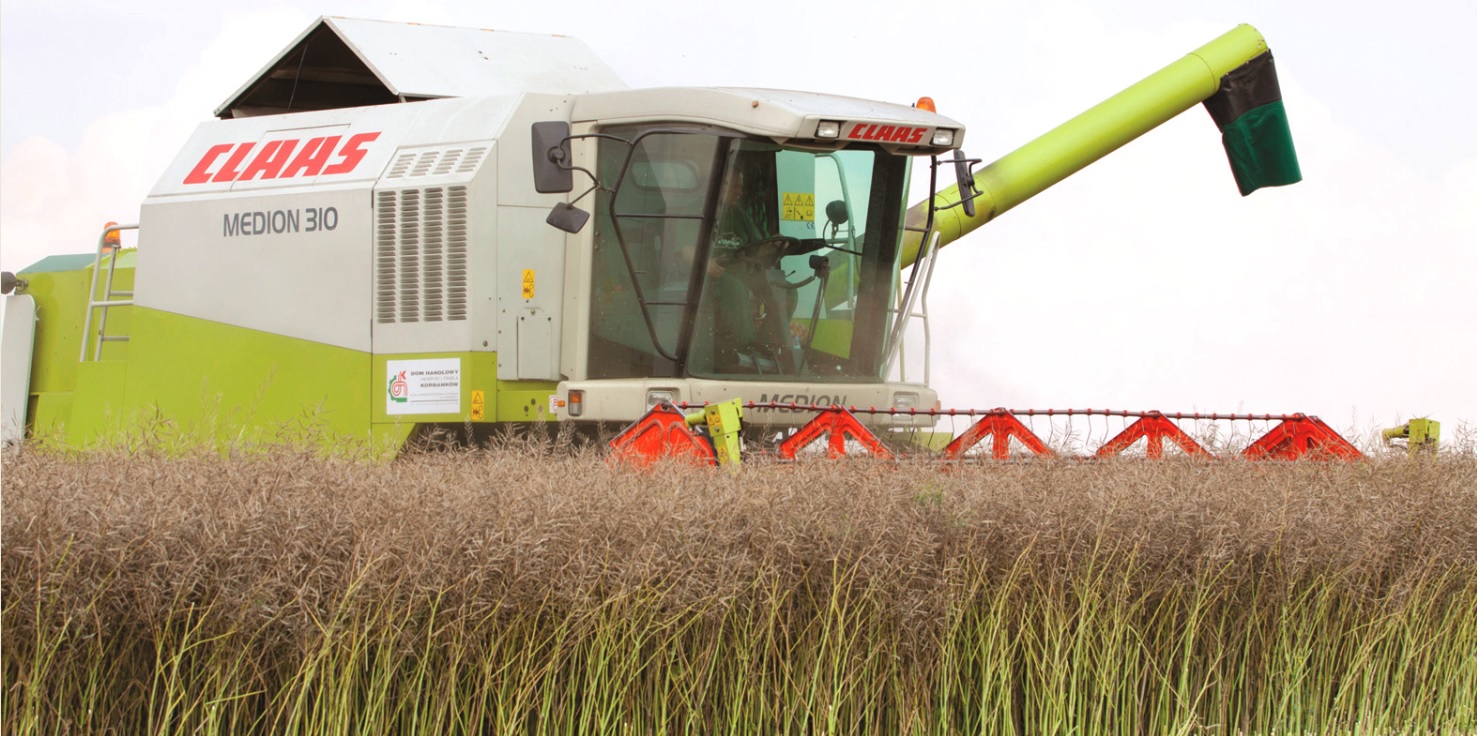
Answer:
(754, 251)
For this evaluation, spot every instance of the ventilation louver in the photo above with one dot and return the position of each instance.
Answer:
(421, 251)
(437, 162)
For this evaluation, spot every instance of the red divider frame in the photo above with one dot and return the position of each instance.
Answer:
(838, 423)
(1302, 436)
(659, 435)
(1154, 427)
(1001, 425)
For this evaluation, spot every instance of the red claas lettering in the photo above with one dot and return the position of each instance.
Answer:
(201, 173)
(313, 157)
(276, 159)
(228, 170)
(886, 133)
(352, 153)
(270, 161)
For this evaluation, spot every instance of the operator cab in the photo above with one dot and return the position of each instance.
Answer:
(737, 241)
(747, 259)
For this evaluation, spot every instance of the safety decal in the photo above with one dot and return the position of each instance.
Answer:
(479, 402)
(798, 206)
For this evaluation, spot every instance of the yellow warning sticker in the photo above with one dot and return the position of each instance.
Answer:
(479, 401)
(798, 206)
(527, 283)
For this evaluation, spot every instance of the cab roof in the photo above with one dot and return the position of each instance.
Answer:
(782, 115)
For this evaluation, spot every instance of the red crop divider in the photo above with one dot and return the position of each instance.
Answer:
(1001, 425)
(1302, 436)
(662, 433)
(838, 423)
(1154, 427)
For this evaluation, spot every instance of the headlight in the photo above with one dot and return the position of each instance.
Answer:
(943, 137)
(904, 401)
(828, 129)
(658, 395)
(576, 402)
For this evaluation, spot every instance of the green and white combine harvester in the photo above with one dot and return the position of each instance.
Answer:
(398, 228)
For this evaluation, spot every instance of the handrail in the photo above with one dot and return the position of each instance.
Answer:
(111, 250)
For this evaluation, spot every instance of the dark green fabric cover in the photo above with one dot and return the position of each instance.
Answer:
(1248, 109)
(1259, 146)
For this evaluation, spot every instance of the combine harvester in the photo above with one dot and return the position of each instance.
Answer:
(387, 234)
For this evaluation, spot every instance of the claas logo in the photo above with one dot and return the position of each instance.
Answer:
(886, 133)
(280, 159)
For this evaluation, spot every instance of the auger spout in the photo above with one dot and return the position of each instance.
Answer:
(1232, 74)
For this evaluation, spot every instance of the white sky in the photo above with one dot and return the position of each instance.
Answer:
(1144, 282)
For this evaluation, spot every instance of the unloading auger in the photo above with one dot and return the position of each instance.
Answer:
(1233, 76)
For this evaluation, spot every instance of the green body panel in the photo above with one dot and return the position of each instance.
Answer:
(524, 401)
(61, 298)
(48, 413)
(200, 380)
(99, 407)
(230, 383)
(1075, 144)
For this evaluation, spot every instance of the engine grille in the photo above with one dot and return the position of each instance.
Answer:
(437, 162)
(421, 254)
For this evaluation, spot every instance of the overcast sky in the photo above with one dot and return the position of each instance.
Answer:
(1144, 282)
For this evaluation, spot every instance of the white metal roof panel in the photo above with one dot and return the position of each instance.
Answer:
(417, 61)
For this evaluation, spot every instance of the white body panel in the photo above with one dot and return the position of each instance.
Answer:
(298, 281)
(435, 241)
(433, 227)
(17, 340)
(623, 400)
(530, 317)
(312, 286)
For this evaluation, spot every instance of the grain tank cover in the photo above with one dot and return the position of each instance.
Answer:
(350, 62)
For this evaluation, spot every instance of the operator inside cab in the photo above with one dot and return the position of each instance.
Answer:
(750, 318)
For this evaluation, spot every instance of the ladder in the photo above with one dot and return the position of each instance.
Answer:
(912, 304)
(108, 244)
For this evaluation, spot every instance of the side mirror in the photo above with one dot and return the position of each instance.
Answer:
(567, 217)
(967, 192)
(551, 158)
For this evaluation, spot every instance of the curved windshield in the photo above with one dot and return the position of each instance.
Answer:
(725, 257)
(799, 274)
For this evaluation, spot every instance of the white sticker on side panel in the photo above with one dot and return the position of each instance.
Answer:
(423, 386)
